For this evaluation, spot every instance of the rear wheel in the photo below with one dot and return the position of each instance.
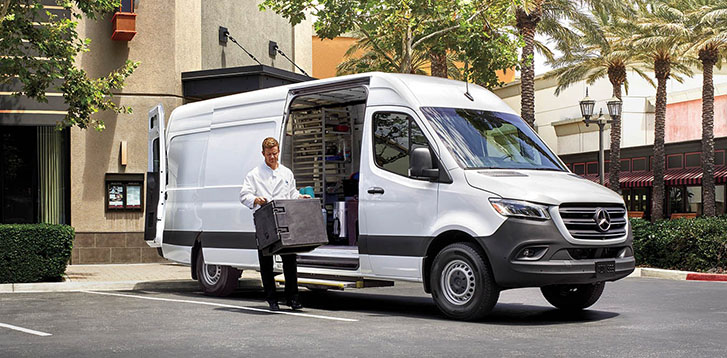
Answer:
(573, 297)
(216, 280)
(462, 284)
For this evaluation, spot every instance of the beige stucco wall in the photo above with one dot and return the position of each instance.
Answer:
(253, 29)
(172, 37)
(93, 154)
(557, 117)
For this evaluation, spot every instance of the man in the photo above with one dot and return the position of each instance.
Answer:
(270, 181)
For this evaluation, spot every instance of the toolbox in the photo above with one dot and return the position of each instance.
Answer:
(289, 226)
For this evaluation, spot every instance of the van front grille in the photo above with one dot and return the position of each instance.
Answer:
(594, 221)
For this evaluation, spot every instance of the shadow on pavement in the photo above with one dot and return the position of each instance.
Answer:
(250, 294)
(511, 314)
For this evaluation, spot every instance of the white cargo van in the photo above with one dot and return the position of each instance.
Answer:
(422, 180)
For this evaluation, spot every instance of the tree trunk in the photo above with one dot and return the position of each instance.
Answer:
(438, 60)
(661, 68)
(708, 56)
(406, 50)
(617, 76)
(526, 24)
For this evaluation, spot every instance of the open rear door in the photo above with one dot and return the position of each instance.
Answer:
(156, 178)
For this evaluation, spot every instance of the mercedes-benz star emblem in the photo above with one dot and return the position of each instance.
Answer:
(603, 219)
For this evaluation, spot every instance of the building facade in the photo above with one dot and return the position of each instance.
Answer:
(560, 124)
(95, 181)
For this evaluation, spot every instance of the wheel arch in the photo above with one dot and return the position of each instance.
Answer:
(440, 242)
(196, 249)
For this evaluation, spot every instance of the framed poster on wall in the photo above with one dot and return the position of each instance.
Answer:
(115, 195)
(124, 192)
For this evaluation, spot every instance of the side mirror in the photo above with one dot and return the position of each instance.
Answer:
(420, 164)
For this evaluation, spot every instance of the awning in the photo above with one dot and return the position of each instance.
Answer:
(673, 177)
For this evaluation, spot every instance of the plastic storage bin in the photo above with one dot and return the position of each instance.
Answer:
(290, 226)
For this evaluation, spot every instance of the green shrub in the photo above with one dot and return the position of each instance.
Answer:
(683, 244)
(34, 252)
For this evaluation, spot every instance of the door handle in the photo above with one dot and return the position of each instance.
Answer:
(376, 190)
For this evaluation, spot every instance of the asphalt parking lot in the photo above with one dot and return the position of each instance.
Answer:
(636, 317)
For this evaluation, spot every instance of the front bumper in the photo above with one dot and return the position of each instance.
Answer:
(553, 260)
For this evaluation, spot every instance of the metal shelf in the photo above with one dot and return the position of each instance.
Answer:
(310, 134)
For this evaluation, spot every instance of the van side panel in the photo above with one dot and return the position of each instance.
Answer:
(186, 157)
(234, 150)
(466, 209)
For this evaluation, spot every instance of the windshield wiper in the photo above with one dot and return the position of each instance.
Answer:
(550, 169)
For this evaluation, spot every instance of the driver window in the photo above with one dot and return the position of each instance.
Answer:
(395, 134)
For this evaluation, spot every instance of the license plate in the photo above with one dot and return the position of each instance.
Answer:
(605, 268)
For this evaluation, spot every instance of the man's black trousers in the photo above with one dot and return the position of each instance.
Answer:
(290, 270)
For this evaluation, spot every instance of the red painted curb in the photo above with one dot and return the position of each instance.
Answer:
(706, 277)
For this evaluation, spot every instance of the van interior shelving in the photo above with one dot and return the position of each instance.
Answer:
(323, 134)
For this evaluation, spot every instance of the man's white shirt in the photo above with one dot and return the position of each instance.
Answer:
(262, 181)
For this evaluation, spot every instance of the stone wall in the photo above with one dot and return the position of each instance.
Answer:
(112, 248)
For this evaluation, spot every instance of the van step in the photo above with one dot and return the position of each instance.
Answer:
(319, 283)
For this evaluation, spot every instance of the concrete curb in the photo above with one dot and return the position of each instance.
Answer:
(677, 275)
(69, 286)
(707, 277)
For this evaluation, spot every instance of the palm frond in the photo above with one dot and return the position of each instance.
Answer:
(644, 75)
(544, 50)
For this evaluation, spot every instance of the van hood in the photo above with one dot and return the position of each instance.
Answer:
(540, 186)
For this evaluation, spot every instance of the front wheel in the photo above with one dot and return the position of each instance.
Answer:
(462, 284)
(216, 280)
(573, 297)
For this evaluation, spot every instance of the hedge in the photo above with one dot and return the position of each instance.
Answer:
(682, 244)
(34, 252)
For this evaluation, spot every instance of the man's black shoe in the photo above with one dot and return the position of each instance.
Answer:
(294, 304)
(274, 306)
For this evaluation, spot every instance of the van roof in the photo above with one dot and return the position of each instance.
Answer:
(384, 89)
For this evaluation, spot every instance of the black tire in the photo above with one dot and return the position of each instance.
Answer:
(462, 284)
(573, 297)
(216, 280)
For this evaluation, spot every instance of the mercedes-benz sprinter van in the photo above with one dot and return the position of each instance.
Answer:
(422, 179)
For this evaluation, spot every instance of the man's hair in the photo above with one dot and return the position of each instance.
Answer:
(270, 142)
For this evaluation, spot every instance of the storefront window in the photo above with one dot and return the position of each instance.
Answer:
(33, 175)
(676, 200)
(694, 199)
(719, 199)
(636, 200)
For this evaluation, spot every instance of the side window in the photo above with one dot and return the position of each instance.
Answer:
(395, 134)
(155, 150)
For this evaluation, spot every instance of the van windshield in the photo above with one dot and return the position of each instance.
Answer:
(481, 139)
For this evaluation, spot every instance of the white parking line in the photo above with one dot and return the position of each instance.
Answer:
(21, 329)
(299, 314)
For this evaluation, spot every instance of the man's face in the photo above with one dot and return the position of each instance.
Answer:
(271, 156)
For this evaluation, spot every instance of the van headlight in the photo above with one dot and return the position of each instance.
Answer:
(520, 209)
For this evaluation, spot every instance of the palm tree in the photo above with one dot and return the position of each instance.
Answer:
(658, 45)
(601, 53)
(545, 17)
(706, 22)
(371, 58)
(702, 28)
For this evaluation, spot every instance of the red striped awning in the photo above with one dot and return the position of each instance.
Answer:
(672, 177)
(636, 179)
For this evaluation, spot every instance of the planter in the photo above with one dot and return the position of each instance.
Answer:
(124, 26)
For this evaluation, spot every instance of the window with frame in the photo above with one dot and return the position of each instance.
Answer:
(395, 135)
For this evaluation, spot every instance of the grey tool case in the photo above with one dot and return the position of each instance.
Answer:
(289, 226)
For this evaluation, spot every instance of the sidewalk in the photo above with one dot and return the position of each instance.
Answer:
(122, 277)
(177, 277)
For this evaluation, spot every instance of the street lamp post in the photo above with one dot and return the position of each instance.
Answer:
(614, 110)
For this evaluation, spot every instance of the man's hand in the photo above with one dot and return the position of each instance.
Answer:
(304, 196)
(260, 201)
